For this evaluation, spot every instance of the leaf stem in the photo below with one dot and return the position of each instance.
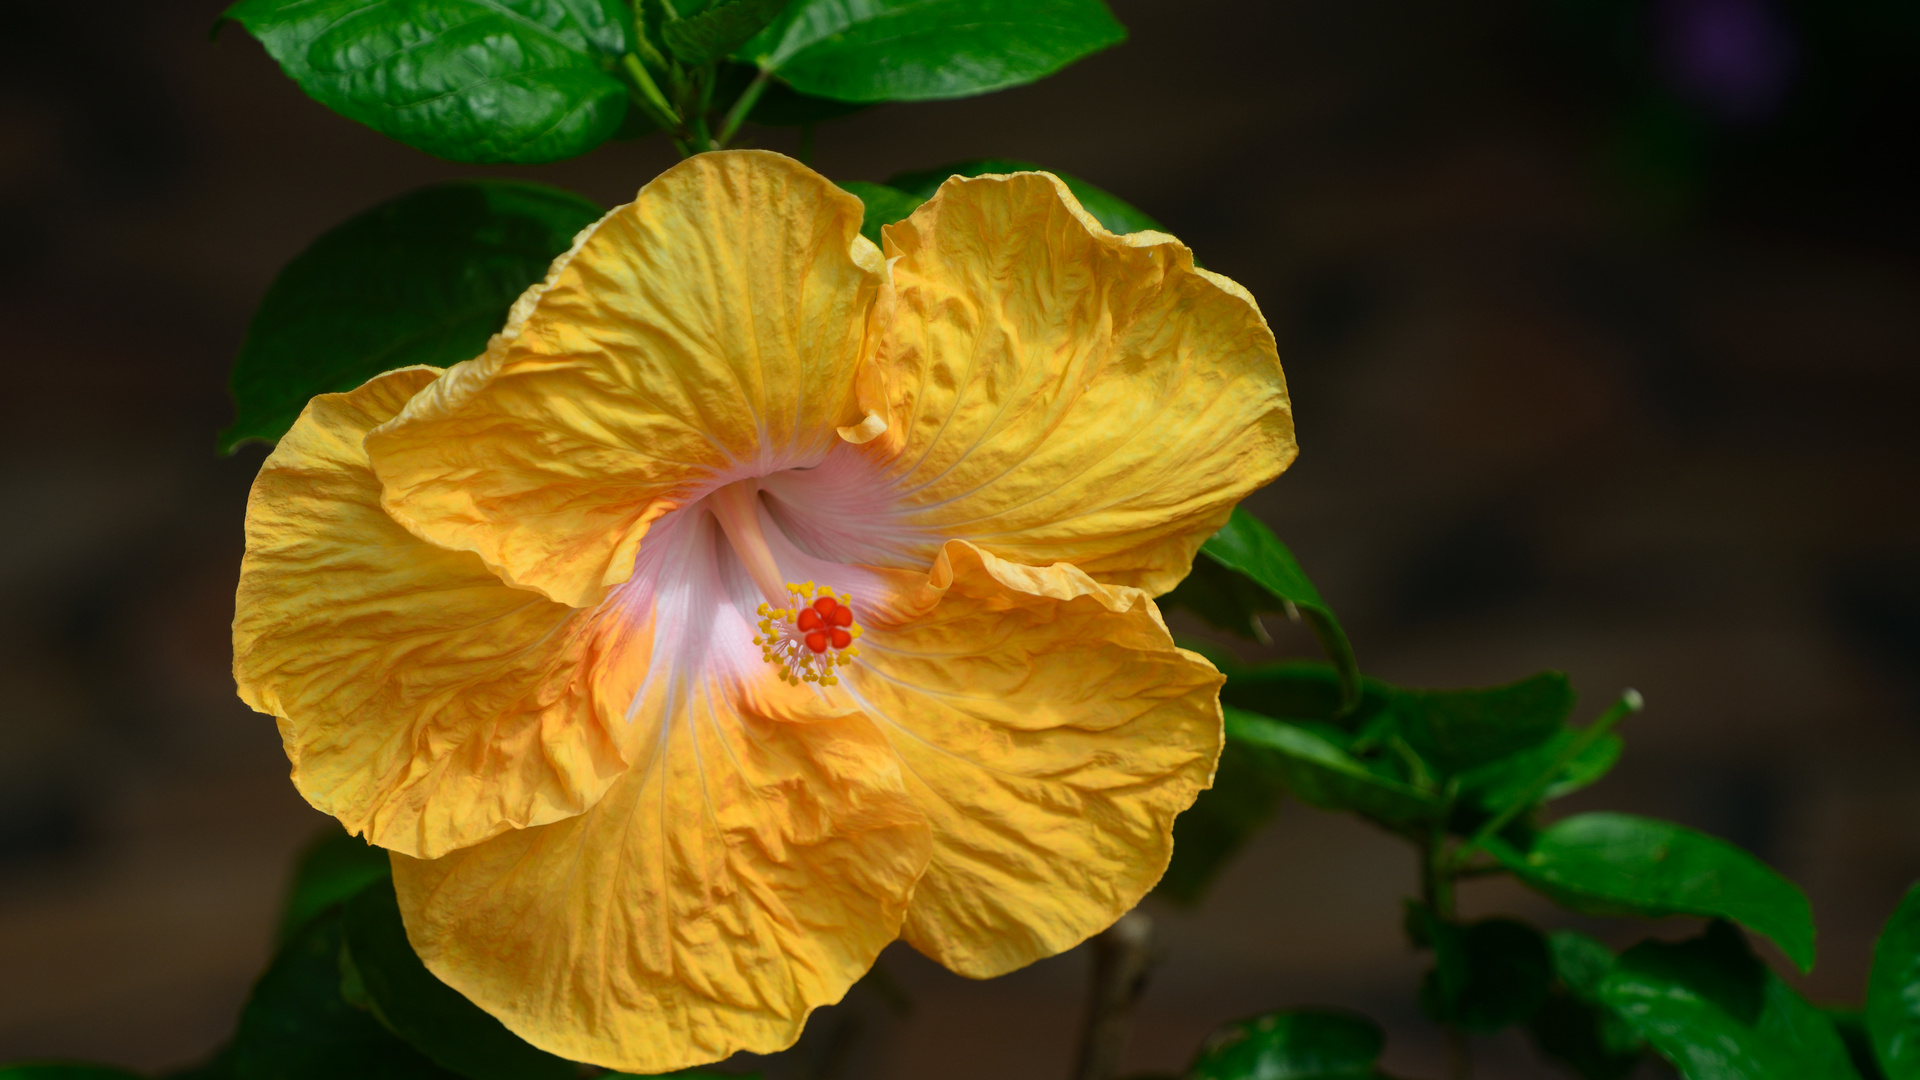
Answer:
(660, 111)
(702, 135)
(737, 114)
(1630, 702)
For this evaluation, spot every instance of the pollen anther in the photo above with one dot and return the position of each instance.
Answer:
(811, 637)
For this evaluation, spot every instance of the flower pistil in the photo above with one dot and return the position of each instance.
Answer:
(810, 637)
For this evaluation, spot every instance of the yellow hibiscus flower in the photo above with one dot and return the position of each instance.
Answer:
(758, 598)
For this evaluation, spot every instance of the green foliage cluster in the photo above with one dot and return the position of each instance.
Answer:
(1464, 775)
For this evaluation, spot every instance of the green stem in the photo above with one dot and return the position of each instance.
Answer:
(650, 96)
(704, 80)
(743, 105)
(1630, 702)
(805, 151)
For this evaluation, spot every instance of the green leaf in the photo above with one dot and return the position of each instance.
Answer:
(1456, 730)
(1893, 991)
(423, 279)
(1295, 1045)
(64, 1071)
(884, 205)
(1115, 214)
(1286, 689)
(1224, 599)
(1245, 793)
(1318, 772)
(1572, 1026)
(1245, 545)
(522, 81)
(297, 1026)
(330, 870)
(430, 1015)
(781, 105)
(1851, 1026)
(919, 50)
(1487, 975)
(1618, 864)
(1710, 1007)
(1501, 781)
(1579, 962)
(708, 35)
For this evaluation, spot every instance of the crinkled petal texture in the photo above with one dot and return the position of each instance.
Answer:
(1051, 731)
(421, 701)
(707, 331)
(510, 635)
(1057, 393)
(747, 870)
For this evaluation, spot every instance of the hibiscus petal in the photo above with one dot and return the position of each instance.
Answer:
(746, 871)
(1052, 731)
(1057, 393)
(706, 331)
(421, 701)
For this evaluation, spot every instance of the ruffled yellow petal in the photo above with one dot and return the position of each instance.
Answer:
(746, 871)
(706, 331)
(421, 701)
(1051, 731)
(1056, 393)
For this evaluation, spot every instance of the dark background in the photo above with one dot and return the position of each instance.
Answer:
(1601, 320)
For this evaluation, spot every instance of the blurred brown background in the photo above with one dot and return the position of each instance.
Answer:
(1602, 321)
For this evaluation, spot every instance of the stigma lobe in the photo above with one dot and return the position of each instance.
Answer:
(812, 637)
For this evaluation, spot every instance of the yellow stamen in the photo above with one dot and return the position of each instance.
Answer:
(785, 646)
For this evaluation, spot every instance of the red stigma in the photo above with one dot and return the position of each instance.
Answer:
(809, 620)
(841, 639)
(817, 641)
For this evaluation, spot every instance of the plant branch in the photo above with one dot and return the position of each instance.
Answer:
(1121, 955)
(737, 114)
(1630, 702)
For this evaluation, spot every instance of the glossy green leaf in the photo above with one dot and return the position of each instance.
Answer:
(884, 205)
(297, 1026)
(1487, 975)
(430, 1015)
(918, 50)
(1501, 781)
(1456, 730)
(1573, 1026)
(1618, 864)
(521, 81)
(330, 870)
(1246, 545)
(1285, 690)
(1245, 793)
(64, 1071)
(781, 105)
(1294, 1045)
(1225, 600)
(1318, 772)
(1112, 212)
(1710, 1007)
(1893, 991)
(705, 36)
(423, 279)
